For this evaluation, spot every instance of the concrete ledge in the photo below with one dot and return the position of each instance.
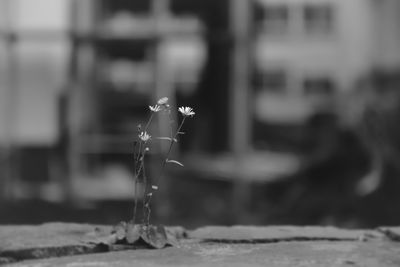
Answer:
(276, 233)
(74, 245)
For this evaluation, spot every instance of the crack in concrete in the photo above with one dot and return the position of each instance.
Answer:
(275, 240)
(8, 256)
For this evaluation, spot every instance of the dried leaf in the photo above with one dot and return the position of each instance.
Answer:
(120, 231)
(176, 162)
(178, 232)
(172, 240)
(155, 236)
(133, 233)
(167, 138)
(127, 235)
(107, 240)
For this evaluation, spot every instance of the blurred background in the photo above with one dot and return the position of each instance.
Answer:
(297, 110)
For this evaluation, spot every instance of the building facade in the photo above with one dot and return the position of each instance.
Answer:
(308, 51)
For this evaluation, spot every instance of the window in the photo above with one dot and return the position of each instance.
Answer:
(271, 80)
(318, 19)
(38, 58)
(318, 86)
(273, 19)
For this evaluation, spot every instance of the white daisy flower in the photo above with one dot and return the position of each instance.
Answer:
(186, 111)
(144, 136)
(155, 108)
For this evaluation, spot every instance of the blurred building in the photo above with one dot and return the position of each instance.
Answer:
(76, 80)
(307, 53)
(34, 52)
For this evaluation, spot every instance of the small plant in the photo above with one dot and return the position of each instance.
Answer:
(134, 233)
(142, 148)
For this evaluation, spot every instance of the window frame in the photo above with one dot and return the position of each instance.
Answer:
(320, 19)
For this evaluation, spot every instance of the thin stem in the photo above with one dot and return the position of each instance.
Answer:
(139, 153)
(138, 158)
(145, 190)
(147, 204)
(136, 192)
(136, 201)
(134, 157)
(171, 144)
(136, 181)
(145, 130)
(149, 121)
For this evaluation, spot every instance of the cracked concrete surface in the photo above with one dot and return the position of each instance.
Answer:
(209, 246)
